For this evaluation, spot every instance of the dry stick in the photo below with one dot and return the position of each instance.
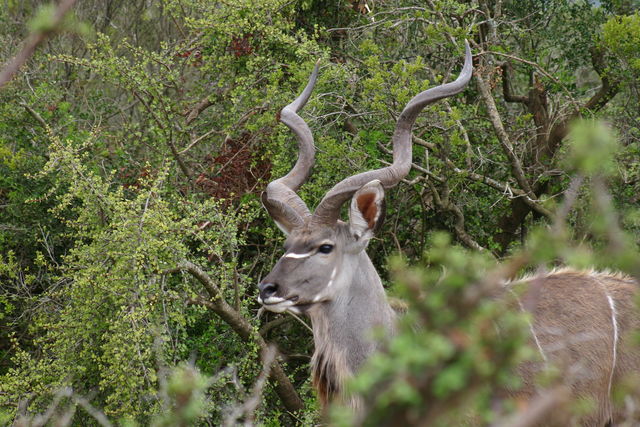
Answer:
(35, 39)
(301, 321)
(604, 204)
(64, 392)
(247, 410)
(245, 331)
(505, 188)
(91, 410)
(198, 139)
(274, 324)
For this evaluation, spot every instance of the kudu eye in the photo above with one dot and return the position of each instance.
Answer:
(325, 249)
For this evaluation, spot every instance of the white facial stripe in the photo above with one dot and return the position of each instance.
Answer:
(293, 255)
(333, 276)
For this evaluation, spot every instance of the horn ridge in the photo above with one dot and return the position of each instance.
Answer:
(282, 191)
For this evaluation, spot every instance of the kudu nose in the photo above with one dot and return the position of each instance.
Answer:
(267, 290)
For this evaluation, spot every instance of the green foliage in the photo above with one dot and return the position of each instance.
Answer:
(121, 214)
(621, 34)
(113, 310)
(44, 19)
(186, 392)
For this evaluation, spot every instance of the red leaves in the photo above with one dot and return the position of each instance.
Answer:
(194, 55)
(234, 172)
(241, 45)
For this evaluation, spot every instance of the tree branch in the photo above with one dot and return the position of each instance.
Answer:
(537, 67)
(511, 192)
(509, 96)
(248, 408)
(608, 89)
(245, 331)
(174, 151)
(503, 137)
(445, 204)
(34, 113)
(197, 109)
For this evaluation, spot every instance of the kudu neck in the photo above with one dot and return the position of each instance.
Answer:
(343, 328)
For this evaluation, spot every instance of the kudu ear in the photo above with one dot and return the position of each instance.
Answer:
(367, 210)
(285, 217)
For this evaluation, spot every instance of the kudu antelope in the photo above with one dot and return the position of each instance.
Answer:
(580, 319)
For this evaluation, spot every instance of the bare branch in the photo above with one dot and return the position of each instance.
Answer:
(197, 109)
(506, 189)
(274, 324)
(570, 196)
(539, 69)
(195, 141)
(34, 113)
(247, 410)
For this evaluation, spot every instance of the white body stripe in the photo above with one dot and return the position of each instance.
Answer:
(614, 350)
(535, 338)
(533, 332)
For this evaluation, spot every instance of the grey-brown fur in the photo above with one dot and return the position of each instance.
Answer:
(575, 329)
